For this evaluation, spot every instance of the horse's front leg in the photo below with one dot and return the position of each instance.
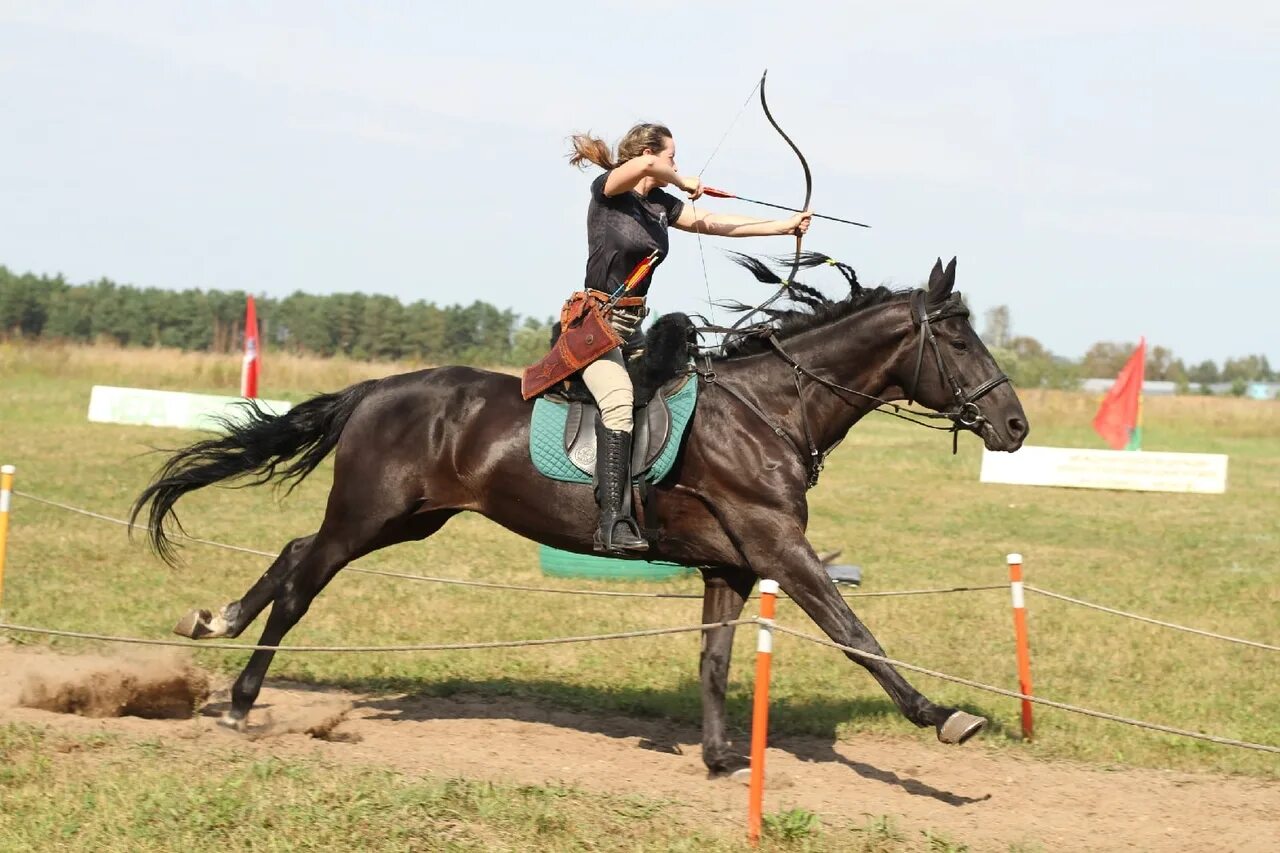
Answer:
(725, 593)
(785, 556)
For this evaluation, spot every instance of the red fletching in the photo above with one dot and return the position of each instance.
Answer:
(641, 270)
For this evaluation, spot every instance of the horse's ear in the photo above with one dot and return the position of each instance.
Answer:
(935, 277)
(941, 281)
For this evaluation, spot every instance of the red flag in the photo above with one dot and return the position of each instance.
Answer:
(1117, 420)
(249, 370)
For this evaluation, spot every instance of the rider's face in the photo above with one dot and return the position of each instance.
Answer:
(666, 155)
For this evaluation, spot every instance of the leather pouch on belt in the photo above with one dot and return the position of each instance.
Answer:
(584, 336)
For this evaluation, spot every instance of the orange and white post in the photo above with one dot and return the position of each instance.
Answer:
(760, 709)
(1020, 634)
(6, 498)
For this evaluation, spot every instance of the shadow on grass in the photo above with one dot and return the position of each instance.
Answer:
(808, 728)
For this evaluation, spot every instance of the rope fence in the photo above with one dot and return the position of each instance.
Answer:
(628, 594)
(653, 632)
(668, 595)
(414, 647)
(766, 624)
(1149, 620)
(1013, 694)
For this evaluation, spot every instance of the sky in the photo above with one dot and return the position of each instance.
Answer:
(1106, 170)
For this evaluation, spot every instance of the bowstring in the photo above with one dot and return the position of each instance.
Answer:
(702, 258)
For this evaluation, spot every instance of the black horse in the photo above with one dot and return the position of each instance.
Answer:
(414, 450)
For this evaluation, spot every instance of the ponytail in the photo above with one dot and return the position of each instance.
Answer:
(588, 149)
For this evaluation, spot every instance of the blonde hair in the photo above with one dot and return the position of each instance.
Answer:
(589, 149)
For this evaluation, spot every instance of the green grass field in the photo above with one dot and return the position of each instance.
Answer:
(920, 518)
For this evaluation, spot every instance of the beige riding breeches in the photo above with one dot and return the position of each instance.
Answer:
(609, 383)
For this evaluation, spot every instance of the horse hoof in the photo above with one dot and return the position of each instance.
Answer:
(721, 760)
(194, 625)
(959, 727)
(230, 720)
(728, 766)
(201, 625)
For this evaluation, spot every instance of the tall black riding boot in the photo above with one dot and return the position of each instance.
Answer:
(618, 532)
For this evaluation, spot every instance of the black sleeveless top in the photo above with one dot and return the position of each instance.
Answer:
(622, 230)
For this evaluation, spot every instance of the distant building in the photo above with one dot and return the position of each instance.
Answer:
(1151, 387)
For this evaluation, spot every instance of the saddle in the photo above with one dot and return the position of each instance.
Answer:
(650, 432)
(562, 435)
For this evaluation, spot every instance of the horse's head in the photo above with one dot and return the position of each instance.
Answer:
(950, 370)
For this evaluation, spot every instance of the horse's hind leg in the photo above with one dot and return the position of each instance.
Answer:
(324, 556)
(232, 618)
(722, 601)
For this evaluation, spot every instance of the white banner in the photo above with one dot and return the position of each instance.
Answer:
(112, 405)
(1133, 470)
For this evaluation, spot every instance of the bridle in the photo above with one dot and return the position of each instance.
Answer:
(964, 416)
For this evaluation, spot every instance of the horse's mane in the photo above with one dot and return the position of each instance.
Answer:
(809, 309)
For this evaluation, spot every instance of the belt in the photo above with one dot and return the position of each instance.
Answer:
(623, 302)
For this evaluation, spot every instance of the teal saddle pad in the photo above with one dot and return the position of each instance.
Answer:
(546, 437)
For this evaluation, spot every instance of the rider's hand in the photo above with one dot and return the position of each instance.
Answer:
(798, 224)
(693, 186)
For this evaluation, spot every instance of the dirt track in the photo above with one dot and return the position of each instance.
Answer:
(986, 799)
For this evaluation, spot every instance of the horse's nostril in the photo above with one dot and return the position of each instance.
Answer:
(1017, 427)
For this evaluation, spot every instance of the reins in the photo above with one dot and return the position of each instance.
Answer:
(965, 415)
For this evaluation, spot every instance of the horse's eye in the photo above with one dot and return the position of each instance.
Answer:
(959, 345)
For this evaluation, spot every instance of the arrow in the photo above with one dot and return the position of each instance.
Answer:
(718, 193)
(637, 275)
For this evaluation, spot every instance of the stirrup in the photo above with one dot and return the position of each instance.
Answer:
(632, 540)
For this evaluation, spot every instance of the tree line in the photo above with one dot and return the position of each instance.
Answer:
(372, 327)
(1030, 365)
(358, 325)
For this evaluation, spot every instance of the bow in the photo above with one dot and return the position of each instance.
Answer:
(808, 194)
(804, 164)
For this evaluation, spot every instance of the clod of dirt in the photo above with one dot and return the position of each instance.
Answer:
(162, 686)
(670, 748)
(324, 730)
(317, 715)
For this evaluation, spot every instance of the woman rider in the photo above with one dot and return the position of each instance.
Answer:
(627, 221)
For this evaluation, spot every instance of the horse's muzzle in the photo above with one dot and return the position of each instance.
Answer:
(1007, 438)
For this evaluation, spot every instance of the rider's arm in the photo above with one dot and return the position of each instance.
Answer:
(732, 225)
(625, 177)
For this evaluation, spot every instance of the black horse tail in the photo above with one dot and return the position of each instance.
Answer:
(284, 447)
